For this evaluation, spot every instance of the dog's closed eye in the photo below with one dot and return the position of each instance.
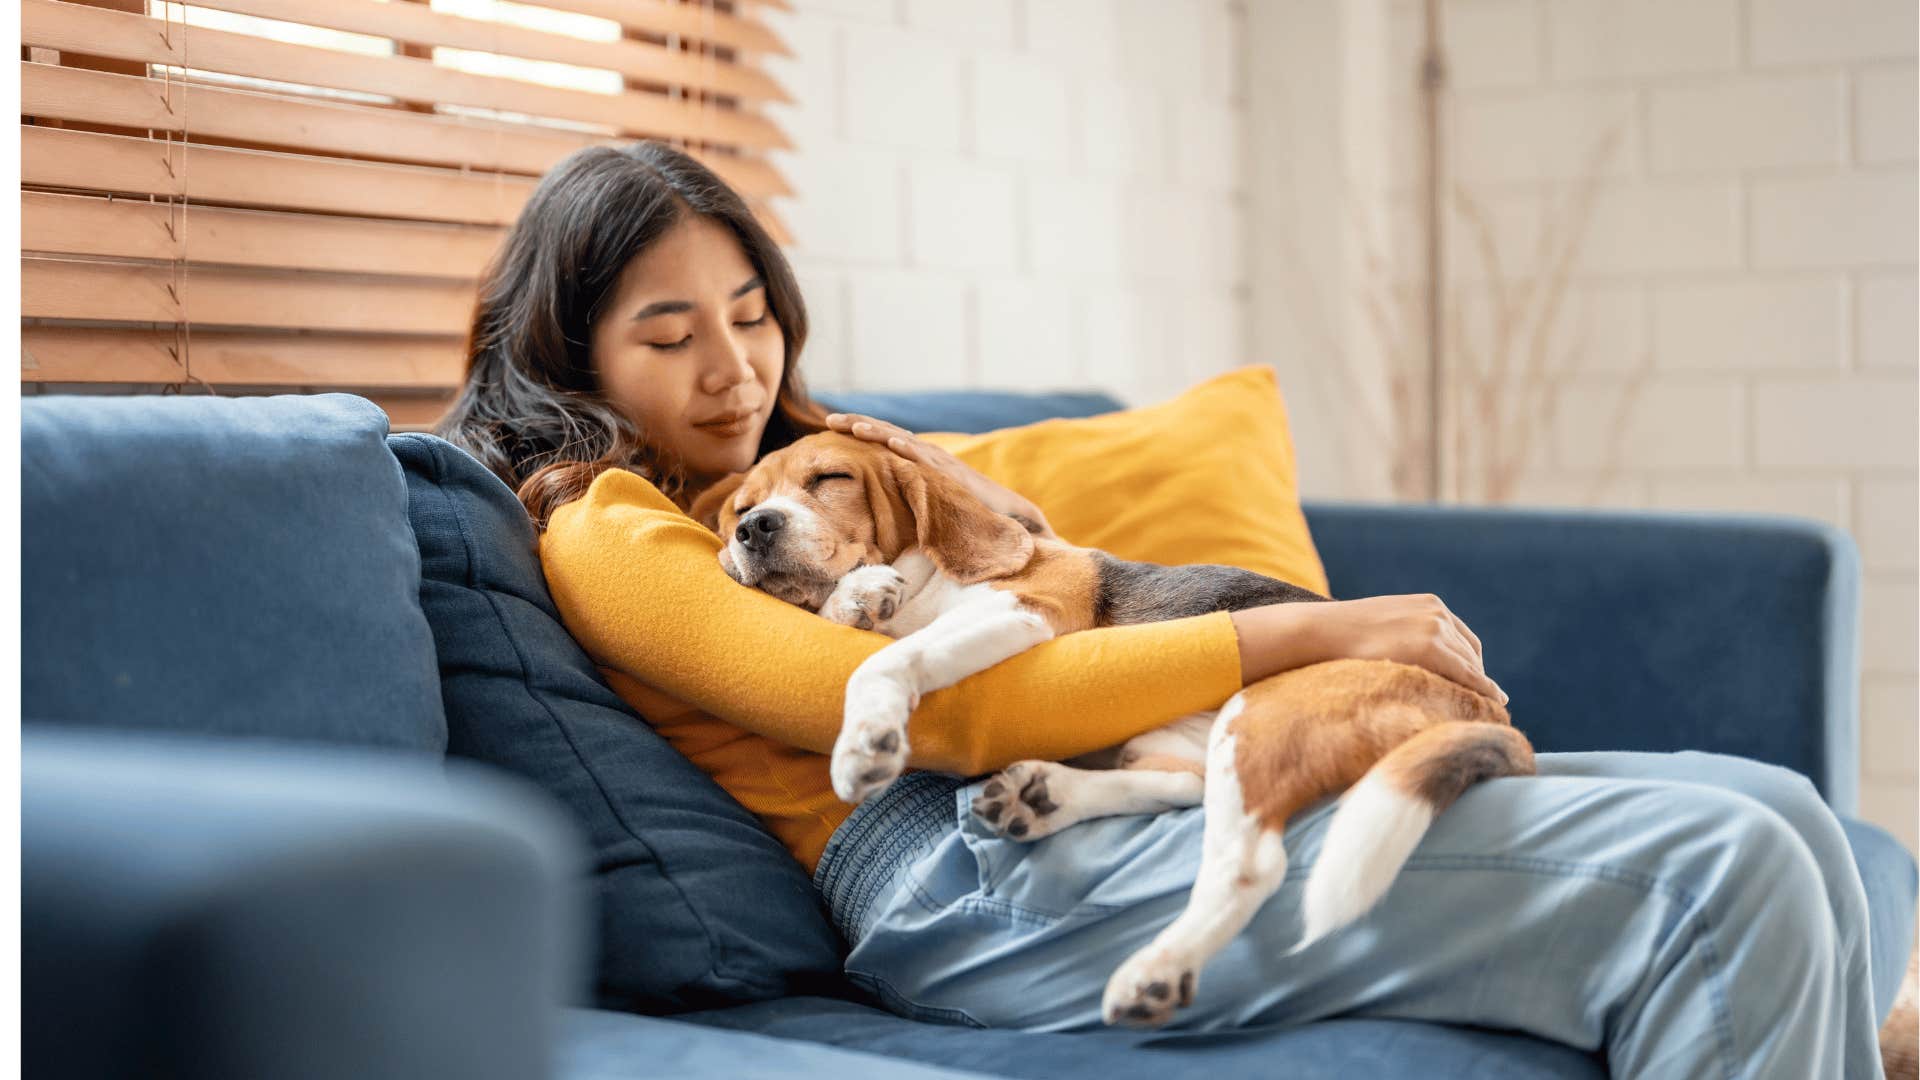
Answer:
(820, 478)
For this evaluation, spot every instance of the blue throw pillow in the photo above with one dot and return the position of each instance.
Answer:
(698, 904)
(234, 566)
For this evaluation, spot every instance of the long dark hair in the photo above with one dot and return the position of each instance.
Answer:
(531, 409)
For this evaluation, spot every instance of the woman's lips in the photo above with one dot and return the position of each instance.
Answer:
(728, 427)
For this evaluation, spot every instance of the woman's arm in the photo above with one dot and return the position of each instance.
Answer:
(639, 584)
(1411, 629)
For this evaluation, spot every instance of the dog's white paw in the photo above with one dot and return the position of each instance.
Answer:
(1149, 987)
(866, 597)
(1018, 803)
(872, 748)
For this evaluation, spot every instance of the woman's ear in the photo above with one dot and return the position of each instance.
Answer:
(965, 539)
(706, 509)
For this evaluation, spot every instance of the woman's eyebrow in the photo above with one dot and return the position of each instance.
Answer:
(675, 307)
(663, 307)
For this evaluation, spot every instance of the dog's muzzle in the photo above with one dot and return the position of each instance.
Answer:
(752, 552)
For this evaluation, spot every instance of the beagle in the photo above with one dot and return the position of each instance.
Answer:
(869, 539)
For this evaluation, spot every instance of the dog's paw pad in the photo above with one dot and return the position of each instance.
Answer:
(1148, 989)
(1017, 802)
(866, 598)
(866, 760)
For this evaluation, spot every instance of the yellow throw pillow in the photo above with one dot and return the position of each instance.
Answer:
(1207, 477)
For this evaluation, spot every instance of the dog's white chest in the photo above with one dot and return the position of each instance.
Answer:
(927, 595)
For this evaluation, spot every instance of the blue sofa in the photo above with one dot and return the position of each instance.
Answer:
(314, 784)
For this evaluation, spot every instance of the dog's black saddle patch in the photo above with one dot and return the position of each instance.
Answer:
(1137, 592)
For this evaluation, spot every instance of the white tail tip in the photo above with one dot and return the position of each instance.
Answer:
(1373, 831)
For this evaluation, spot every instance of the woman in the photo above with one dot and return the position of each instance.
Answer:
(639, 337)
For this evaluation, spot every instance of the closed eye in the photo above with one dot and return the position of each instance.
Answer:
(820, 478)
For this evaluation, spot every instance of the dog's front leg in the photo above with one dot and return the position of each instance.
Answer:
(974, 635)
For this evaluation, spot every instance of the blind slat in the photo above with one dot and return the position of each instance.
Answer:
(296, 232)
(135, 229)
(127, 292)
(419, 24)
(698, 23)
(123, 36)
(99, 97)
(63, 354)
(52, 157)
(239, 358)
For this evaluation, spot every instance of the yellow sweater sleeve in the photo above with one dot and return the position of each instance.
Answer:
(639, 585)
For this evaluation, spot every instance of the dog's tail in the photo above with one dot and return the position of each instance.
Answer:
(1385, 814)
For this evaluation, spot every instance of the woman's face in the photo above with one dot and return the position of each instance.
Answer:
(688, 349)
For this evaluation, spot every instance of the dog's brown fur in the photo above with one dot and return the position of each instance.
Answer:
(1314, 731)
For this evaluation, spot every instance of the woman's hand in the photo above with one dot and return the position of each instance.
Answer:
(901, 441)
(1411, 629)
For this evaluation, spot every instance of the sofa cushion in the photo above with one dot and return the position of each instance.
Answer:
(697, 903)
(225, 565)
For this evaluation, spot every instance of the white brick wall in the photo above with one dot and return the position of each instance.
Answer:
(1828, 31)
(1884, 113)
(1790, 323)
(1856, 219)
(1745, 281)
(1136, 193)
(1025, 193)
(1637, 38)
(1747, 123)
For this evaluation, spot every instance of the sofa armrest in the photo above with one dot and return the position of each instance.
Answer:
(1637, 631)
(213, 908)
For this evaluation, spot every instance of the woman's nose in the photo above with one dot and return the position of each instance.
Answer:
(728, 368)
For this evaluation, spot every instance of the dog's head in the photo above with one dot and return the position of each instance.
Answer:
(804, 516)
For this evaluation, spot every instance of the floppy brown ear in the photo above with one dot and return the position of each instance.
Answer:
(706, 509)
(965, 539)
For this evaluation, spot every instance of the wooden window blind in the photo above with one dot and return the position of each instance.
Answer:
(294, 195)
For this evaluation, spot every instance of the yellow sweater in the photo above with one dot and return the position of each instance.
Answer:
(750, 688)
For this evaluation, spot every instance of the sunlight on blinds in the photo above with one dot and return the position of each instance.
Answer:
(247, 196)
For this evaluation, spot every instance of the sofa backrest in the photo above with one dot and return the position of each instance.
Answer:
(224, 565)
(970, 412)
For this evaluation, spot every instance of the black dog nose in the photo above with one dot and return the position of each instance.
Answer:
(757, 529)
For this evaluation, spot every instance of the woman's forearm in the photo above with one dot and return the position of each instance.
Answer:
(1413, 629)
(1276, 638)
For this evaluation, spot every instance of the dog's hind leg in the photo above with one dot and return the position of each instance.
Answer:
(1031, 799)
(1242, 862)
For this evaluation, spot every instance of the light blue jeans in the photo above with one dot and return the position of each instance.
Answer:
(1690, 915)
